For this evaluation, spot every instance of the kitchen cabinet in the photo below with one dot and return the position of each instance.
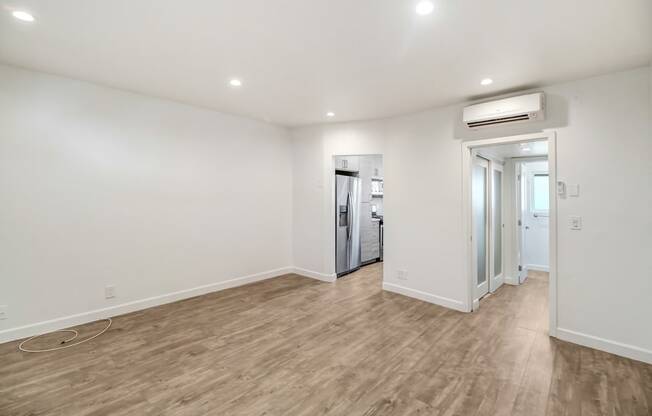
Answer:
(371, 183)
(347, 163)
(369, 234)
(377, 166)
(366, 170)
(377, 181)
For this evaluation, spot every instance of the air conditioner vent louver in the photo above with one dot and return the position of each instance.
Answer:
(500, 120)
(517, 109)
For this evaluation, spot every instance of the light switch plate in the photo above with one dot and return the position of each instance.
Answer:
(574, 190)
(575, 223)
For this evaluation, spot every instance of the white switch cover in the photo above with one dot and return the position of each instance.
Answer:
(575, 223)
(3, 311)
(401, 275)
(574, 190)
(109, 292)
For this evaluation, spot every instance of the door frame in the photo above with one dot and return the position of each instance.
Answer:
(467, 166)
(518, 223)
(330, 190)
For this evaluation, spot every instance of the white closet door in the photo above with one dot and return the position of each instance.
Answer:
(496, 263)
(479, 193)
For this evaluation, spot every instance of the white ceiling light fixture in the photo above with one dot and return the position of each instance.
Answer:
(330, 114)
(235, 83)
(486, 81)
(425, 7)
(23, 16)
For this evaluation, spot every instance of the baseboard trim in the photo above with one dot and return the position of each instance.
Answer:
(613, 347)
(497, 283)
(538, 267)
(43, 327)
(329, 278)
(425, 296)
(511, 280)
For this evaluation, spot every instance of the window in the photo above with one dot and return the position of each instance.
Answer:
(540, 194)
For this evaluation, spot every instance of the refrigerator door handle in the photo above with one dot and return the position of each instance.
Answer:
(349, 216)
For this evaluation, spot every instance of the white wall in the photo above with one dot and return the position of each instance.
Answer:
(99, 186)
(604, 288)
(103, 187)
(422, 221)
(313, 181)
(423, 208)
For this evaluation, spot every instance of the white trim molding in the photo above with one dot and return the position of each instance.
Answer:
(425, 296)
(12, 334)
(509, 280)
(613, 347)
(467, 147)
(538, 267)
(329, 278)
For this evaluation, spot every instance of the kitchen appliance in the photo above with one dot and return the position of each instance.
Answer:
(347, 223)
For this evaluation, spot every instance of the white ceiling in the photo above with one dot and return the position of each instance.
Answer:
(299, 59)
(506, 151)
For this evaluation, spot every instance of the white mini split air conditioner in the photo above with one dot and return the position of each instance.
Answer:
(529, 107)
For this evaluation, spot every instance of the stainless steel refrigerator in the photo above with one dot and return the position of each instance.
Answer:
(347, 224)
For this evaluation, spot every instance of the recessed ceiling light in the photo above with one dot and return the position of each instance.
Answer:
(235, 82)
(487, 81)
(330, 114)
(24, 16)
(526, 149)
(425, 7)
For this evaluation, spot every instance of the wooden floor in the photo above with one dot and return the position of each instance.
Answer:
(295, 346)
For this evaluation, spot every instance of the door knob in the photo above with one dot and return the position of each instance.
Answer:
(527, 227)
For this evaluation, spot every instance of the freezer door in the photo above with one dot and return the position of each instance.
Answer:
(354, 235)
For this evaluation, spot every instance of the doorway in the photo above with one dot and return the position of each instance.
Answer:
(510, 214)
(533, 208)
(359, 219)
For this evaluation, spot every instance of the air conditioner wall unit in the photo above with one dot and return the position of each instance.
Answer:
(519, 109)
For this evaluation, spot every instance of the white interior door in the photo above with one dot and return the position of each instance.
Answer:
(480, 237)
(536, 218)
(496, 256)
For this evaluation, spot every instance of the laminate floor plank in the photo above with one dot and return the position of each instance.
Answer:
(294, 346)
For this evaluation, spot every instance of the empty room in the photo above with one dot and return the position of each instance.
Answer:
(301, 207)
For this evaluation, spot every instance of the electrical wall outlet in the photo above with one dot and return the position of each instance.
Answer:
(4, 309)
(109, 292)
(401, 275)
(575, 223)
